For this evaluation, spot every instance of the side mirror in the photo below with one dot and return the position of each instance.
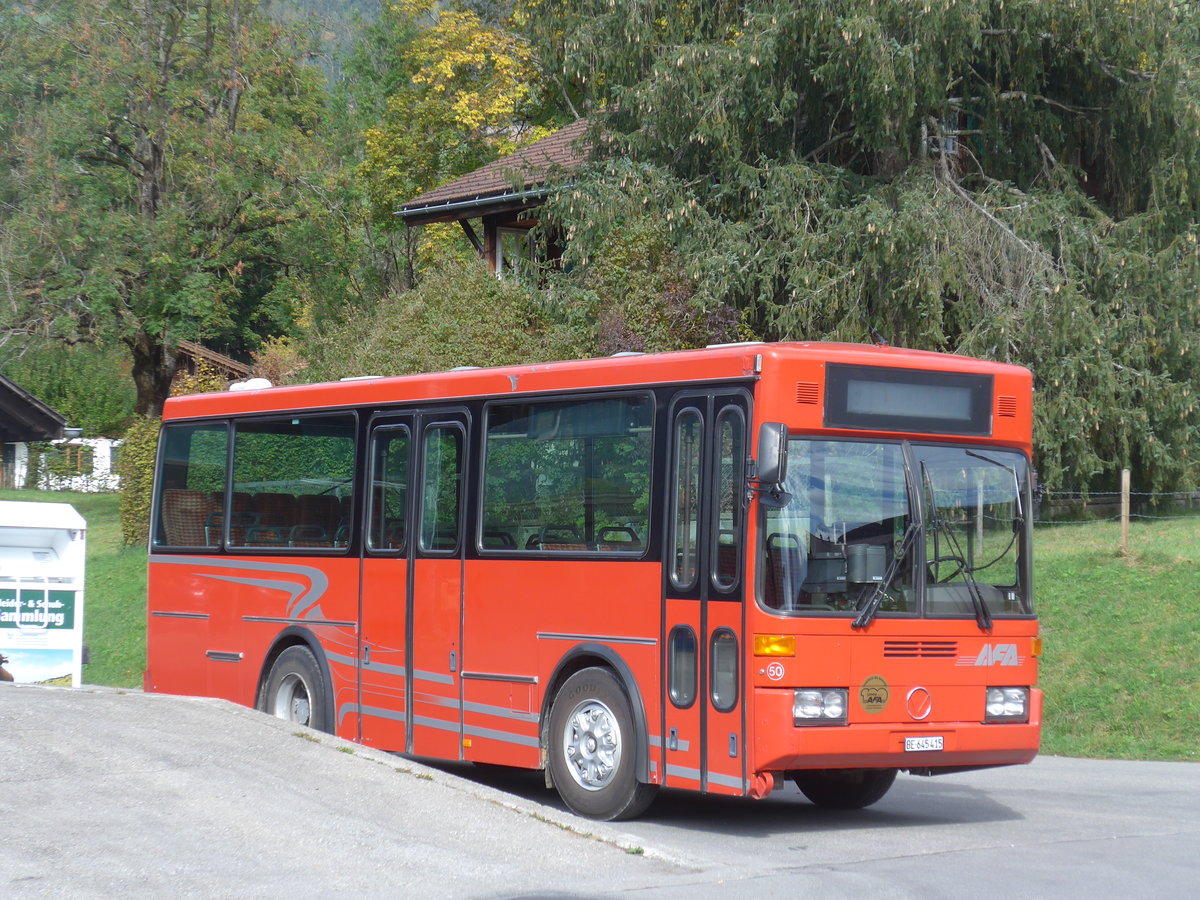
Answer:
(772, 453)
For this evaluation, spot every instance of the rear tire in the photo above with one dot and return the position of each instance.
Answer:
(296, 690)
(593, 748)
(844, 788)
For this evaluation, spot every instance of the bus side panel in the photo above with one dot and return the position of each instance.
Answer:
(522, 618)
(176, 631)
(222, 652)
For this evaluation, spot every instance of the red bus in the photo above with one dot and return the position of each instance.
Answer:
(712, 569)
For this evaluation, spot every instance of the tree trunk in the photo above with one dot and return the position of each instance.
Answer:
(154, 365)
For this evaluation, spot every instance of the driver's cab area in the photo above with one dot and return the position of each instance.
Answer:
(899, 529)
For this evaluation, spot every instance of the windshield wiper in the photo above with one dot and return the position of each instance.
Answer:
(983, 616)
(1016, 481)
(871, 608)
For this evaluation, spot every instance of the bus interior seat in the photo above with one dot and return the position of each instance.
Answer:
(787, 567)
(560, 538)
(618, 537)
(184, 515)
(498, 540)
(727, 556)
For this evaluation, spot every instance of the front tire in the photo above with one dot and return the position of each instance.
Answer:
(295, 689)
(593, 748)
(844, 788)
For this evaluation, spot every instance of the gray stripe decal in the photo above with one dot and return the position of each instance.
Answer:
(489, 733)
(599, 638)
(713, 777)
(180, 615)
(506, 737)
(396, 715)
(486, 709)
(344, 709)
(680, 746)
(385, 669)
(501, 712)
(309, 594)
(439, 724)
(435, 677)
(726, 780)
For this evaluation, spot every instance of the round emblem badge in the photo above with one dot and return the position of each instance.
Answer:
(873, 695)
(775, 671)
(920, 703)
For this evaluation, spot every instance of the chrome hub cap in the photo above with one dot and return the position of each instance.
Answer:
(591, 743)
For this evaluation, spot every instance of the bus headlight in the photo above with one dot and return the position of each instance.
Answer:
(819, 706)
(1007, 704)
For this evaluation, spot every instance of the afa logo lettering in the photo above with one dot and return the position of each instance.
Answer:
(993, 655)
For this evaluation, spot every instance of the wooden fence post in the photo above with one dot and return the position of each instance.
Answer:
(1125, 512)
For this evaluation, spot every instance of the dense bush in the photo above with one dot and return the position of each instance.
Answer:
(460, 315)
(136, 470)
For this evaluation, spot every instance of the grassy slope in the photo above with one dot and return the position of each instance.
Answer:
(114, 619)
(1121, 668)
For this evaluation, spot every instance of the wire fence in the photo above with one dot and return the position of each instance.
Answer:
(1086, 507)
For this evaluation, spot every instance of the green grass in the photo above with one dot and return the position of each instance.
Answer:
(114, 618)
(1121, 664)
(1120, 669)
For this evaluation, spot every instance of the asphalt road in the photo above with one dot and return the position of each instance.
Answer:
(106, 794)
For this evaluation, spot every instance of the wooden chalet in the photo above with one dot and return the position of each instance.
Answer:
(24, 419)
(505, 195)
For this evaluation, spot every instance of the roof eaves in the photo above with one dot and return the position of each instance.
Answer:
(413, 212)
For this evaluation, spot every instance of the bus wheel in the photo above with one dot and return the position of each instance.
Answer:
(295, 689)
(844, 788)
(592, 756)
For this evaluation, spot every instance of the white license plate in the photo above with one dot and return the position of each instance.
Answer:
(916, 744)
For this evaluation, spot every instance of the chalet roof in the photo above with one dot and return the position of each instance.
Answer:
(490, 188)
(23, 417)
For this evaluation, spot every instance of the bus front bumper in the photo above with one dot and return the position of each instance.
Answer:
(782, 746)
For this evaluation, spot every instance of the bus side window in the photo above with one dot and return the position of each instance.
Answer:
(568, 477)
(292, 474)
(685, 518)
(389, 489)
(731, 456)
(192, 486)
(440, 491)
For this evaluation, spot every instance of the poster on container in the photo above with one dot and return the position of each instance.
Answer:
(42, 547)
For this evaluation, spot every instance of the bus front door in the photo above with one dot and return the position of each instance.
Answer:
(703, 704)
(410, 652)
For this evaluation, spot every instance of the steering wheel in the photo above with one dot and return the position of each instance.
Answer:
(934, 567)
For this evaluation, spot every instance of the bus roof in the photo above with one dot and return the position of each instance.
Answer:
(724, 362)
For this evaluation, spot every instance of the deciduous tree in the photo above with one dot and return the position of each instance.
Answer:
(152, 155)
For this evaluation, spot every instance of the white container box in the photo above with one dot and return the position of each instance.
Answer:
(42, 551)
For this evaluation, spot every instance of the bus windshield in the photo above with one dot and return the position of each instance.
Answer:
(899, 529)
